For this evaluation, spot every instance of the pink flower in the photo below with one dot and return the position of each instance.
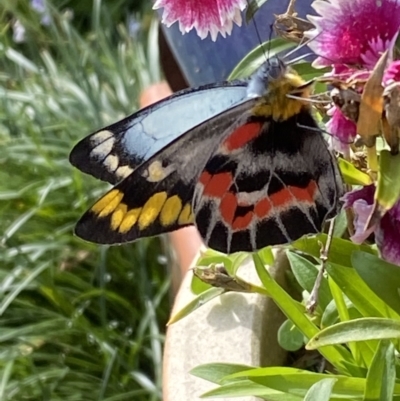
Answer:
(342, 129)
(387, 230)
(214, 16)
(392, 73)
(353, 32)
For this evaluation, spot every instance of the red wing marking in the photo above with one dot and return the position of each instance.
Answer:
(242, 135)
(217, 185)
(205, 178)
(305, 194)
(242, 222)
(262, 208)
(228, 207)
(286, 195)
(281, 198)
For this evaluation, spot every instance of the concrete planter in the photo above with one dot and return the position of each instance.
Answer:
(234, 328)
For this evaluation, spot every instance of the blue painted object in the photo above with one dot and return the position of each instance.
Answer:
(205, 61)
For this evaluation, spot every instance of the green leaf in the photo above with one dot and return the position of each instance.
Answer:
(352, 175)
(33, 331)
(16, 194)
(16, 225)
(290, 337)
(212, 257)
(80, 321)
(354, 287)
(215, 372)
(21, 61)
(363, 329)
(340, 224)
(361, 351)
(248, 388)
(7, 371)
(382, 277)
(340, 251)
(388, 186)
(198, 286)
(21, 286)
(320, 391)
(306, 274)
(237, 260)
(331, 314)
(267, 256)
(196, 303)
(258, 56)
(295, 312)
(382, 374)
(298, 381)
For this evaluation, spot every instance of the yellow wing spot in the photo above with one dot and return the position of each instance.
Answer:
(108, 203)
(129, 220)
(186, 216)
(151, 209)
(118, 216)
(170, 211)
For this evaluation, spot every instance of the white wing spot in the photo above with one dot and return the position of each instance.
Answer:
(123, 171)
(111, 163)
(100, 137)
(103, 149)
(156, 172)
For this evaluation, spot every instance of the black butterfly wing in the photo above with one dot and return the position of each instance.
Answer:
(157, 196)
(269, 183)
(113, 153)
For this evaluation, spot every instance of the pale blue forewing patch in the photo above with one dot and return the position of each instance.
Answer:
(112, 153)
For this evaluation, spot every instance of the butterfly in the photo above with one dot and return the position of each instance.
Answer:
(244, 161)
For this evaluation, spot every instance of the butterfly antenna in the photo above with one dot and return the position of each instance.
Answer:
(332, 61)
(303, 56)
(324, 132)
(300, 46)
(306, 43)
(271, 31)
(258, 34)
(308, 99)
(290, 11)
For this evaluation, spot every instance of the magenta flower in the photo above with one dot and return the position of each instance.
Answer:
(206, 16)
(342, 129)
(387, 231)
(353, 32)
(392, 73)
(342, 126)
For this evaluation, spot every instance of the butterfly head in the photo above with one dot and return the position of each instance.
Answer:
(280, 90)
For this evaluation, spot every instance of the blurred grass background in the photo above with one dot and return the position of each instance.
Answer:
(77, 321)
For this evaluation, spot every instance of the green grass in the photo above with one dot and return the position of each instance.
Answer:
(77, 321)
